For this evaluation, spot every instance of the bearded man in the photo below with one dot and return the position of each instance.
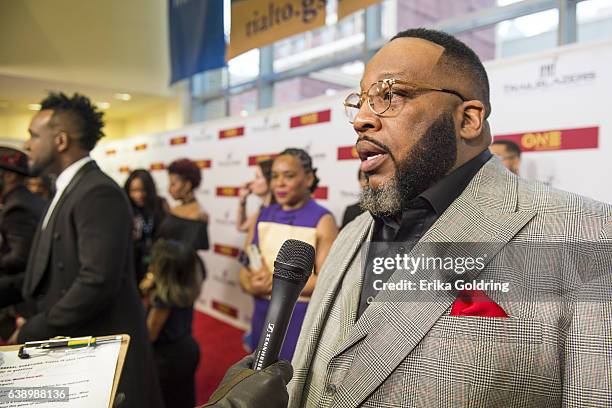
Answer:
(462, 285)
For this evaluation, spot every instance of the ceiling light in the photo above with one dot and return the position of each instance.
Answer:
(244, 113)
(123, 96)
(103, 105)
(34, 106)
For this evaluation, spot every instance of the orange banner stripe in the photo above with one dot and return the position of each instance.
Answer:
(178, 140)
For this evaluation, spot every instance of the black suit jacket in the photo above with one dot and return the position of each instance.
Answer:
(350, 213)
(80, 275)
(21, 212)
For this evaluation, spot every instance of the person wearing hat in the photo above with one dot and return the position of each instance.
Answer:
(20, 214)
(21, 211)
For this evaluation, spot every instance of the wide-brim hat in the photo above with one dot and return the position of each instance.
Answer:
(14, 160)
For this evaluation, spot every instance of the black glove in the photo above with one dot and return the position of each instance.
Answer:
(242, 387)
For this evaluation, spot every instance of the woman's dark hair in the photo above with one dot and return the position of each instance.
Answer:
(266, 169)
(187, 170)
(176, 272)
(306, 162)
(153, 203)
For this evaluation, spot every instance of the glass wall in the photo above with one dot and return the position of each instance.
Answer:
(331, 59)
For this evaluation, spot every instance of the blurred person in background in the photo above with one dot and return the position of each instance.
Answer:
(260, 187)
(148, 211)
(177, 280)
(509, 153)
(294, 215)
(188, 221)
(44, 186)
(21, 211)
(354, 210)
(80, 270)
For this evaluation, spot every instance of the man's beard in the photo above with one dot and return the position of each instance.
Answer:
(427, 162)
(41, 167)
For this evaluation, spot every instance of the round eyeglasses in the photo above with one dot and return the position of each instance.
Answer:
(380, 96)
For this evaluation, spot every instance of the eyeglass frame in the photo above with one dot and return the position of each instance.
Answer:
(392, 81)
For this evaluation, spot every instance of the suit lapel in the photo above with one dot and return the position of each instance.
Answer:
(324, 296)
(40, 253)
(397, 321)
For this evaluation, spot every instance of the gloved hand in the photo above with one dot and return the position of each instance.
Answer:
(242, 387)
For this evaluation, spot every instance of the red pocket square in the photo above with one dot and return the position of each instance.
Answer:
(476, 303)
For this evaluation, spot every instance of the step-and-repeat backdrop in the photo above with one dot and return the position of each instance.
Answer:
(554, 105)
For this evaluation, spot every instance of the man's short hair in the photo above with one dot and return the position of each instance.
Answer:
(85, 116)
(511, 147)
(457, 58)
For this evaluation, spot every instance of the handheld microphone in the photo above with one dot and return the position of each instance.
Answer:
(292, 268)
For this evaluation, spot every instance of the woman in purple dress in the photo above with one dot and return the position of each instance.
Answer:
(294, 215)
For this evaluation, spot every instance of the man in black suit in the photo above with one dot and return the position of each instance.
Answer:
(80, 269)
(20, 214)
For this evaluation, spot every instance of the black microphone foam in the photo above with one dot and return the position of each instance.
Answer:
(294, 261)
(292, 268)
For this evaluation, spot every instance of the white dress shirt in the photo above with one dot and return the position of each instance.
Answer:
(64, 178)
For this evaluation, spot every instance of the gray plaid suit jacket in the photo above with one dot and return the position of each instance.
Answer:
(414, 354)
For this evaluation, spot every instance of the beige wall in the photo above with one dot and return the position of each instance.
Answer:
(14, 126)
(165, 116)
(160, 117)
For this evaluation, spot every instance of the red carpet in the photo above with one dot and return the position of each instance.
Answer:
(220, 347)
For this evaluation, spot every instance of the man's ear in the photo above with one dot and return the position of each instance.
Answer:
(62, 141)
(473, 120)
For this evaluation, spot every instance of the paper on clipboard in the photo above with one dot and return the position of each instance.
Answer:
(87, 372)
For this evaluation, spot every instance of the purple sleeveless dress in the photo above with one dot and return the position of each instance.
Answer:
(307, 216)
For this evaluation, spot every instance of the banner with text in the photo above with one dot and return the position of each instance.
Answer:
(348, 7)
(257, 23)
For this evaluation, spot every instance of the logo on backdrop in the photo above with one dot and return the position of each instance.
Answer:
(315, 155)
(231, 133)
(347, 153)
(321, 193)
(140, 147)
(267, 124)
(564, 139)
(227, 219)
(204, 136)
(253, 160)
(225, 309)
(230, 161)
(350, 194)
(227, 191)
(548, 77)
(111, 152)
(204, 163)
(124, 169)
(225, 278)
(226, 250)
(312, 118)
(157, 166)
(178, 140)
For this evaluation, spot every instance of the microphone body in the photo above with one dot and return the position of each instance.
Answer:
(292, 269)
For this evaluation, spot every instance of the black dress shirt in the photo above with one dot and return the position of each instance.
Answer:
(392, 236)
